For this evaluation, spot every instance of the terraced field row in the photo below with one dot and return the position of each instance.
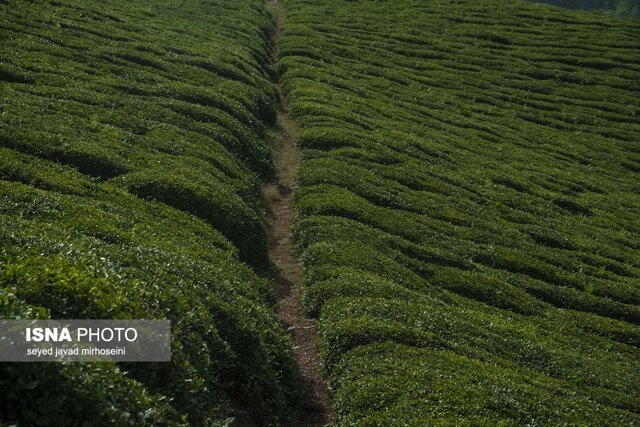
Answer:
(469, 209)
(131, 150)
(623, 8)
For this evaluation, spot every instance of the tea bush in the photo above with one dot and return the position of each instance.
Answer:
(131, 151)
(468, 209)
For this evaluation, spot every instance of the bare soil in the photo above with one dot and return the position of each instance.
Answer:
(315, 409)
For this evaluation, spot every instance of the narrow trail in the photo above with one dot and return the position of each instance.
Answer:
(315, 410)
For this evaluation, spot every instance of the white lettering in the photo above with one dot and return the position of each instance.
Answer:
(135, 334)
(48, 334)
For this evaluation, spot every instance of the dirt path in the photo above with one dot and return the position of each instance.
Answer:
(315, 410)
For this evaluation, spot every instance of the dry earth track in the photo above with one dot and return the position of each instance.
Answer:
(315, 410)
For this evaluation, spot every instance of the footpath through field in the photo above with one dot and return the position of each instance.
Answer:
(315, 410)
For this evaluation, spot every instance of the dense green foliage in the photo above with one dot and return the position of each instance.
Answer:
(131, 148)
(629, 8)
(469, 209)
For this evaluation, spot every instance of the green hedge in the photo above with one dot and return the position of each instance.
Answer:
(468, 209)
(132, 146)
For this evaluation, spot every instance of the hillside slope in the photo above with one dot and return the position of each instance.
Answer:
(469, 209)
(622, 8)
(131, 149)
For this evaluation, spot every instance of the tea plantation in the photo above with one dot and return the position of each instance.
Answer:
(627, 8)
(131, 150)
(469, 209)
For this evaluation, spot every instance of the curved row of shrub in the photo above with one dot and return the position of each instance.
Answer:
(468, 209)
(131, 151)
